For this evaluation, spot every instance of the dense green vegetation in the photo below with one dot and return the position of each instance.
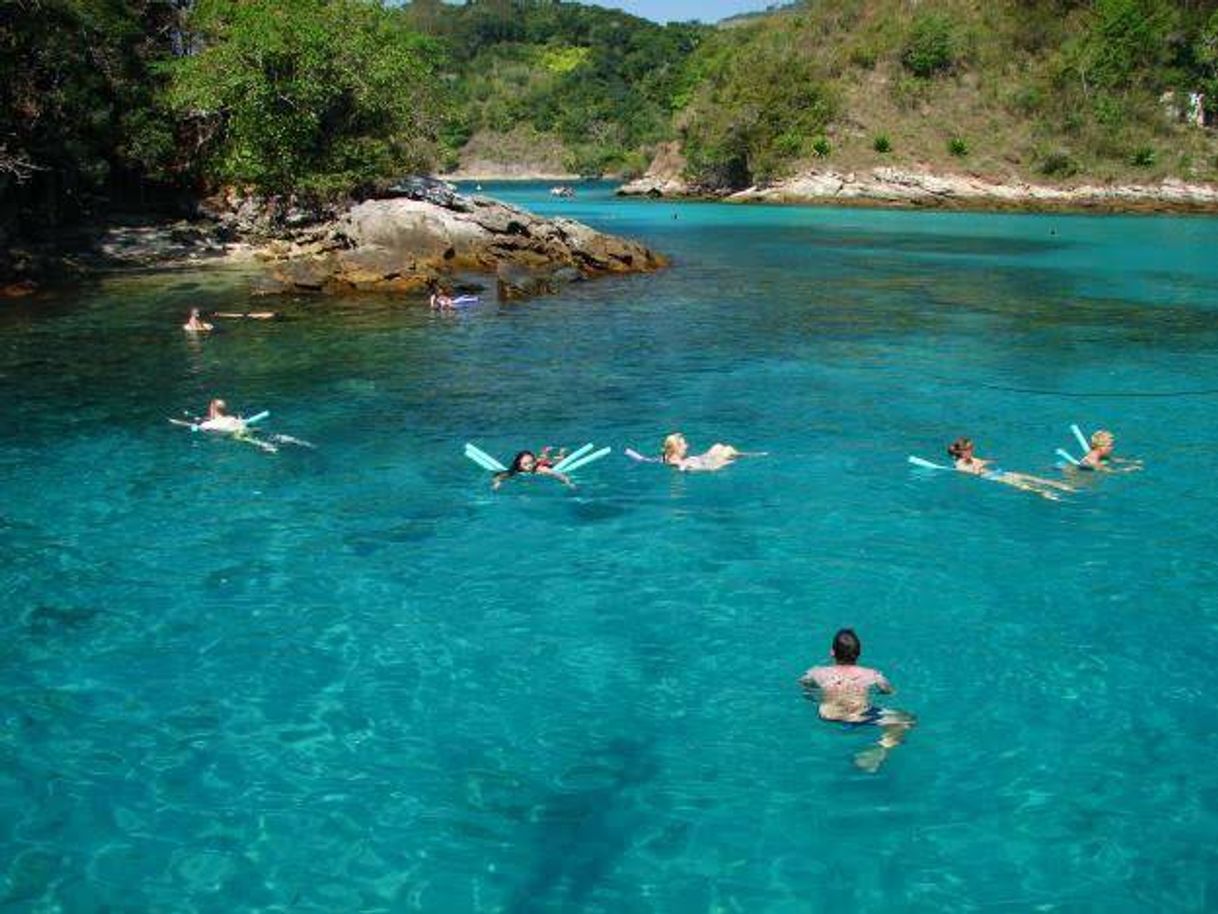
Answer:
(314, 97)
(1032, 89)
(106, 102)
(603, 83)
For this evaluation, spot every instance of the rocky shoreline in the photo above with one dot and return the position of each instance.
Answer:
(380, 245)
(404, 245)
(888, 186)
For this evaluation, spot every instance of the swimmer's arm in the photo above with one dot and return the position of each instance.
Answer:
(561, 477)
(882, 683)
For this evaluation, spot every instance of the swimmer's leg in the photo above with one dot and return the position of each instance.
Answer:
(1024, 483)
(1038, 481)
(894, 725)
(256, 442)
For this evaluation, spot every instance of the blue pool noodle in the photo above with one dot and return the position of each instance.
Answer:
(1082, 439)
(926, 464)
(1066, 456)
(573, 465)
(483, 459)
(566, 462)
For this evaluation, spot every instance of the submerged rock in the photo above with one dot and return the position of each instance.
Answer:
(404, 245)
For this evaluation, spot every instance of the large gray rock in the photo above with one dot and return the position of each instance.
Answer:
(403, 244)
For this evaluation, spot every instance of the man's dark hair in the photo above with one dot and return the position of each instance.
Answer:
(846, 646)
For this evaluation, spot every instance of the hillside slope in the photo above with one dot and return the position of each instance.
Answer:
(1034, 90)
(1012, 89)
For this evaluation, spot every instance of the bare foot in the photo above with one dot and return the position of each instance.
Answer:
(870, 759)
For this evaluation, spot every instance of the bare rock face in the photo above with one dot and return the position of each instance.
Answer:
(893, 186)
(663, 177)
(402, 245)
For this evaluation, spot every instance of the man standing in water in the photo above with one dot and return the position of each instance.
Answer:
(844, 694)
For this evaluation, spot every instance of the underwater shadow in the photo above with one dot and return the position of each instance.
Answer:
(582, 830)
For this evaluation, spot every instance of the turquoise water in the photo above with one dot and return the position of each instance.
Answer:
(354, 680)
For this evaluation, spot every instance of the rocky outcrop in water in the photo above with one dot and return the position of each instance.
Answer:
(897, 187)
(405, 245)
(663, 177)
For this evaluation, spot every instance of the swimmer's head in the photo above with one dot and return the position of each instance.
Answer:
(846, 646)
(1103, 440)
(524, 462)
(217, 407)
(960, 449)
(675, 447)
(194, 314)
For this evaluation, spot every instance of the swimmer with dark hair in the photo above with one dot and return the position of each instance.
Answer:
(843, 693)
(526, 463)
(966, 461)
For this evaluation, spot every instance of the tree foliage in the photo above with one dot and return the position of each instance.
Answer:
(79, 119)
(310, 96)
(600, 81)
(932, 45)
(762, 105)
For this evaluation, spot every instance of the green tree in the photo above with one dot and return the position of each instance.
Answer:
(756, 115)
(78, 120)
(932, 45)
(307, 96)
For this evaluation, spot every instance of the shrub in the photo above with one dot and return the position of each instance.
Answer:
(821, 147)
(957, 147)
(1142, 157)
(1028, 100)
(931, 47)
(1058, 164)
(1109, 110)
(881, 143)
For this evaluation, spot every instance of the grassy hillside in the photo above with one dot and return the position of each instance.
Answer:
(1037, 89)
(1030, 89)
(598, 84)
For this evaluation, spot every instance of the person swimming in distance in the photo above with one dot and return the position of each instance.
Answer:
(1100, 457)
(675, 453)
(843, 695)
(966, 461)
(219, 420)
(440, 299)
(194, 324)
(527, 463)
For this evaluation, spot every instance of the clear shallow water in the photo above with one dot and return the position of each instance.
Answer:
(352, 679)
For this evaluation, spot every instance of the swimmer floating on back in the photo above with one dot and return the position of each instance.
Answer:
(194, 324)
(964, 460)
(843, 692)
(675, 453)
(527, 463)
(220, 421)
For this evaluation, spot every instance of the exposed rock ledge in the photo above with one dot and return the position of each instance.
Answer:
(403, 245)
(893, 186)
